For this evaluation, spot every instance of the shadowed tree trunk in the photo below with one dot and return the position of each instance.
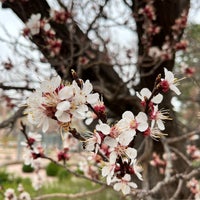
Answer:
(166, 13)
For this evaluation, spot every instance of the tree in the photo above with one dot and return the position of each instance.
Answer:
(75, 43)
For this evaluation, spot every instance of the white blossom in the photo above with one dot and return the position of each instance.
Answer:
(33, 24)
(124, 184)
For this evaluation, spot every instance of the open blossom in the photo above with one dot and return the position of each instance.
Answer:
(33, 24)
(157, 117)
(145, 94)
(194, 187)
(32, 139)
(84, 94)
(109, 168)
(169, 82)
(56, 102)
(130, 123)
(124, 184)
(10, 194)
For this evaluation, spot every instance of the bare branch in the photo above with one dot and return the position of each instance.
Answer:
(70, 196)
(10, 122)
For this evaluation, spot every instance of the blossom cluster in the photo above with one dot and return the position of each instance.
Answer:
(10, 194)
(36, 25)
(194, 187)
(165, 52)
(148, 15)
(65, 104)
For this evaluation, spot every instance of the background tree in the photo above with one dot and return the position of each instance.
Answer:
(80, 39)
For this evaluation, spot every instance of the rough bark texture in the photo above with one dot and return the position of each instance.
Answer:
(75, 44)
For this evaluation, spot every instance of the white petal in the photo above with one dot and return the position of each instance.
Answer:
(65, 117)
(87, 87)
(131, 153)
(169, 76)
(160, 124)
(175, 89)
(126, 137)
(93, 98)
(128, 115)
(141, 117)
(145, 92)
(65, 93)
(110, 141)
(127, 177)
(157, 99)
(104, 128)
(133, 185)
(113, 157)
(142, 126)
(45, 125)
(63, 106)
(126, 189)
(117, 186)
(105, 171)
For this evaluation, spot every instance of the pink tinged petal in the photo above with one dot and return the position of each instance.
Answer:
(160, 124)
(110, 141)
(126, 137)
(117, 186)
(104, 128)
(66, 93)
(131, 153)
(157, 99)
(128, 115)
(87, 87)
(175, 89)
(63, 106)
(93, 98)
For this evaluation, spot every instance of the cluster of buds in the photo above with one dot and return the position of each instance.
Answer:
(179, 25)
(36, 25)
(187, 70)
(111, 145)
(194, 187)
(10, 194)
(165, 53)
(148, 11)
(60, 16)
(149, 26)
(158, 163)
(182, 45)
(34, 150)
(193, 152)
(161, 163)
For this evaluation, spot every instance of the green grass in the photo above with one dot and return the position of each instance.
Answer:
(68, 185)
